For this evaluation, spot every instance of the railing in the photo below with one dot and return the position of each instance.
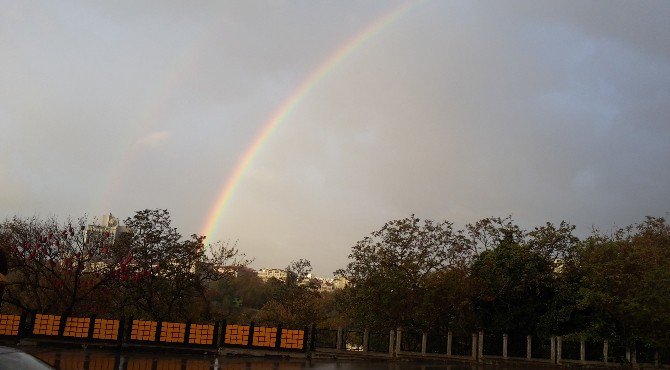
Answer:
(378, 341)
(142, 333)
(407, 342)
(326, 338)
(485, 347)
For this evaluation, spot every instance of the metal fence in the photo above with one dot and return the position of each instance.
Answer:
(326, 338)
(352, 340)
(461, 345)
(437, 343)
(410, 340)
(493, 345)
(378, 341)
(540, 348)
(406, 342)
(570, 349)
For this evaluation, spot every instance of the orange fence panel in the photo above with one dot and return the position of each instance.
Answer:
(264, 337)
(292, 339)
(172, 332)
(9, 324)
(106, 329)
(237, 335)
(46, 324)
(77, 327)
(201, 334)
(143, 330)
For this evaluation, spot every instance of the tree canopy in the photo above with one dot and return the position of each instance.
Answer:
(490, 275)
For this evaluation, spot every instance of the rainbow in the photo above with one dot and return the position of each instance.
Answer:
(289, 104)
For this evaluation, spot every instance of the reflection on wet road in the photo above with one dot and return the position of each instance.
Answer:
(109, 360)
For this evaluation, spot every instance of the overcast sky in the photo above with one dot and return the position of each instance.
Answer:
(457, 110)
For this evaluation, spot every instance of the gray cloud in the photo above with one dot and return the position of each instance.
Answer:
(458, 110)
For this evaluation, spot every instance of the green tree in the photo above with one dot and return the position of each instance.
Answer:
(165, 276)
(392, 270)
(513, 285)
(295, 301)
(447, 304)
(247, 288)
(625, 283)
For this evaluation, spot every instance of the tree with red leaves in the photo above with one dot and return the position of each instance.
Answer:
(54, 267)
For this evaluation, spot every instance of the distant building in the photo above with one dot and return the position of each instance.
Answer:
(340, 282)
(235, 270)
(319, 283)
(325, 285)
(330, 285)
(109, 228)
(267, 274)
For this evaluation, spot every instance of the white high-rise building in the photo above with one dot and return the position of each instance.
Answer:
(109, 225)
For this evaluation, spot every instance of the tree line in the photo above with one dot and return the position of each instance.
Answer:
(490, 275)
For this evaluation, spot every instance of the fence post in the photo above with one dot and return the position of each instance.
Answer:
(31, 323)
(91, 326)
(449, 343)
(305, 347)
(391, 342)
(215, 335)
(582, 349)
(159, 327)
(480, 346)
(504, 349)
(559, 349)
(278, 339)
(312, 338)
(339, 338)
(129, 328)
(187, 332)
(22, 325)
(224, 328)
(121, 333)
(633, 356)
(605, 351)
(250, 341)
(475, 347)
(424, 342)
(61, 326)
(398, 341)
(529, 347)
(366, 339)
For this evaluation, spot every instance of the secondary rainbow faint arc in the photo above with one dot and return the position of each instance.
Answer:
(287, 106)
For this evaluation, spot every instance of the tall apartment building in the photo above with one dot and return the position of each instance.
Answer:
(109, 226)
